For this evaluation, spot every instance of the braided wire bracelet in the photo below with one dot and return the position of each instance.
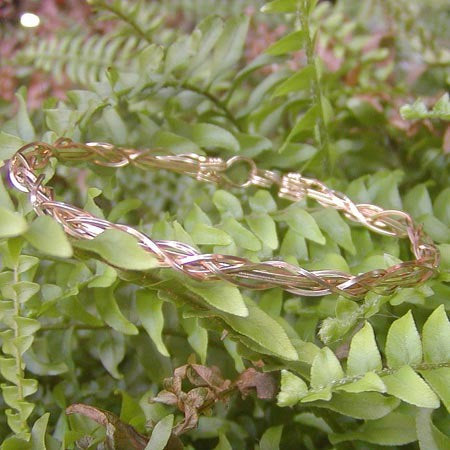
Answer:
(239, 271)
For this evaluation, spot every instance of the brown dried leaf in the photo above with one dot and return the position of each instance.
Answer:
(446, 140)
(119, 435)
(207, 376)
(264, 383)
(166, 397)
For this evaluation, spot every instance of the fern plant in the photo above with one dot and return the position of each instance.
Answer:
(98, 354)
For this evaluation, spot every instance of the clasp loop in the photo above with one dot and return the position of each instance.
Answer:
(251, 174)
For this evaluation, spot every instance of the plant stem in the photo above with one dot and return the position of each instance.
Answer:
(384, 372)
(19, 361)
(219, 103)
(316, 91)
(187, 86)
(110, 7)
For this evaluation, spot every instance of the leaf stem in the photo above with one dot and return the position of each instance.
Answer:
(382, 372)
(316, 91)
(110, 7)
(219, 103)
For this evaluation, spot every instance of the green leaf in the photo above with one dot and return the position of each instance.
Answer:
(441, 205)
(369, 382)
(196, 216)
(439, 380)
(209, 29)
(161, 434)
(430, 438)
(228, 49)
(112, 351)
(418, 110)
(265, 331)
(5, 200)
(220, 295)
(271, 438)
(325, 369)
(181, 234)
(72, 307)
(104, 277)
(213, 136)
(306, 123)
(149, 308)
(207, 235)
(410, 387)
(403, 346)
(251, 145)
(119, 249)
(441, 108)
(436, 337)
(280, 6)
(223, 443)
(392, 429)
(38, 433)
(294, 245)
(227, 204)
(9, 144)
(11, 223)
(437, 230)
(365, 405)
(264, 228)
(262, 202)
(364, 355)
(292, 389)
(175, 143)
(418, 202)
(178, 54)
(23, 122)
(302, 223)
(197, 337)
(90, 205)
(109, 311)
(47, 235)
(243, 237)
(297, 82)
(334, 225)
(290, 43)
(123, 208)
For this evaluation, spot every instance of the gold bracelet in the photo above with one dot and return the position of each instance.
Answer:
(236, 270)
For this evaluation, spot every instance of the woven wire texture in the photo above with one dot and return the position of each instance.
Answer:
(27, 162)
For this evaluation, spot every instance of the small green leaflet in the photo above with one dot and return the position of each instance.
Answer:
(119, 249)
(48, 236)
(109, 311)
(392, 429)
(160, 434)
(290, 43)
(306, 122)
(263, 330)
(403, 344)
(220, 295)
(300, 80)
(363, 355)
(11, 223)
(271, 438)
(292, 390)
(149, 308)
(280, 6)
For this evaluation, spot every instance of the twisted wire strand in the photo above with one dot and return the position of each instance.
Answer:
(239, 271)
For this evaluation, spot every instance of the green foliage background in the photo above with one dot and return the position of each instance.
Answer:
(349, 374)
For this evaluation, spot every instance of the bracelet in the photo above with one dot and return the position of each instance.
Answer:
(236, 270)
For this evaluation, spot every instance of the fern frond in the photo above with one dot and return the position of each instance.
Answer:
(140, 18)
(416, 370)
(83, 59)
